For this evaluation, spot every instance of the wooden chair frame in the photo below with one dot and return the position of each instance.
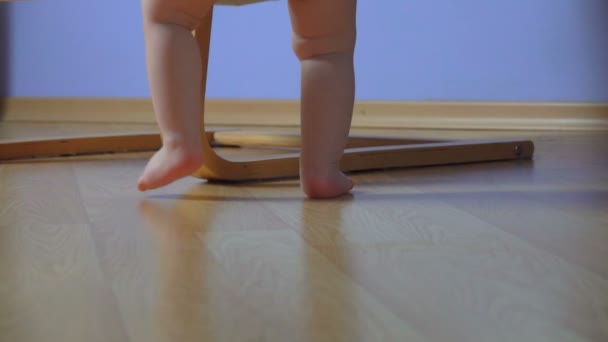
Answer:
(362, 152)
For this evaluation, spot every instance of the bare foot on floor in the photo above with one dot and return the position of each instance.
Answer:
(330, 185)
(169, 164)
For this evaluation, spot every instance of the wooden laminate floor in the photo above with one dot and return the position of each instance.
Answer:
(507, 251)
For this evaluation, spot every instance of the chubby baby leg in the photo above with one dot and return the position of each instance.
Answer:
(324, 34)
(174, 74)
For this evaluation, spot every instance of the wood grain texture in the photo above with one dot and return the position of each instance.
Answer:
(51, 285)
(500, 251)
(29, 195)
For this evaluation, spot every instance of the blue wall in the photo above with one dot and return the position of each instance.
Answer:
(4, 61)
(517, 50)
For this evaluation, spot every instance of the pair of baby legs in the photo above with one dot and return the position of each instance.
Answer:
(324, 34)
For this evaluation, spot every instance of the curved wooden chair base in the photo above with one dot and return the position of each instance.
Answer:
(363, 152)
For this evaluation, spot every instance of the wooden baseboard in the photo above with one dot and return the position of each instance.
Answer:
(367, 114)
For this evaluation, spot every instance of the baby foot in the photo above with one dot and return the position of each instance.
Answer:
(326, 185)
(169, 164)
